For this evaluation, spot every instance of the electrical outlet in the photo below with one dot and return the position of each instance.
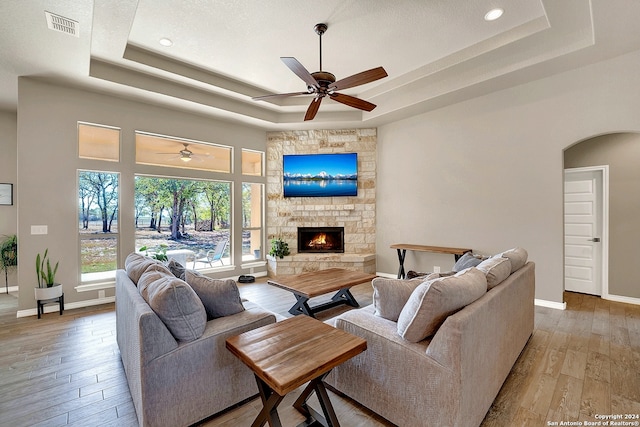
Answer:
(436, 269)
(39, 229)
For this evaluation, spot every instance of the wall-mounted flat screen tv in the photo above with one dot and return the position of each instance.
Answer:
(320, 175)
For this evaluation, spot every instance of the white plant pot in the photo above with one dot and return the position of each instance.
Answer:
(48, 293)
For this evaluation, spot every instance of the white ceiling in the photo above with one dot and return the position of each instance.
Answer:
(436, 52)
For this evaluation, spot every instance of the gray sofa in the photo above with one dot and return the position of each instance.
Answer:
(451, 377)
(177, 382)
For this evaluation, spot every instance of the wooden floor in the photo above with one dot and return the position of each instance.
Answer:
(66, 370)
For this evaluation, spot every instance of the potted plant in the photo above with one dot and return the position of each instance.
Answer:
(279, 248)
(47, 286)
(8, 256)
(160, 254)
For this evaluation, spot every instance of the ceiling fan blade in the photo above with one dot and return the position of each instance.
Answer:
(359, 79)
(313, 108)
(295, 66)
(279, 95)
(352, 101)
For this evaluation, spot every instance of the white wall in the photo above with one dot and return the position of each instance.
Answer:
(487, 173)
(48, 163)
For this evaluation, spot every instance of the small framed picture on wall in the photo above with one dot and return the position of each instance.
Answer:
(6, 194)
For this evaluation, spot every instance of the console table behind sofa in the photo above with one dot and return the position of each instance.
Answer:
(402, 249)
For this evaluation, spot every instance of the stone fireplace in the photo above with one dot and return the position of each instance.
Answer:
(321, 239)
(355, 215)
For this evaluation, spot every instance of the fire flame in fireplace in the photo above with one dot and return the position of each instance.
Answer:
(319, 239)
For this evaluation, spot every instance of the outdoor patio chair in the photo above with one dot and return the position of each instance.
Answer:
(214, 255)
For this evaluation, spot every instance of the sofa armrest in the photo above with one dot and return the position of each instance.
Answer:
(203, 373)
(393, 376)
(141, 335)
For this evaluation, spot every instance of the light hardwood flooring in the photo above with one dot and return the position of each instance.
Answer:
(66, 370)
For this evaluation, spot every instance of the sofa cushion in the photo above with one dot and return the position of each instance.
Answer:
(176, 268)
(432, 302)
(175, 303)
(465, 261)
(517, 256)
(390, 295)
(220, 297)
(496, 270)
(136, 264)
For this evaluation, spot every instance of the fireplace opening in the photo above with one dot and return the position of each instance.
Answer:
(321, 239)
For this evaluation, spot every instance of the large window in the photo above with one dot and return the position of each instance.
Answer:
(252, 206)
(98, 205)
(184, 219)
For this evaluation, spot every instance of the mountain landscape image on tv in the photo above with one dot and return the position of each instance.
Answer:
(320, 175)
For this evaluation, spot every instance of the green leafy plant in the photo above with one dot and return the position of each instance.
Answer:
(160, 252)
(46, 274)
(8, 256)
(9, 252)
(279, 248)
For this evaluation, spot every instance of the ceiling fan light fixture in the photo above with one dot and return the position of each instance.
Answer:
(493, 14)
(185, 158)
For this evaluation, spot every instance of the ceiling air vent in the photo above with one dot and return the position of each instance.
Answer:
(62, 24)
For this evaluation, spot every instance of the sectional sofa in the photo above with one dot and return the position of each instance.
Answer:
(440, 348)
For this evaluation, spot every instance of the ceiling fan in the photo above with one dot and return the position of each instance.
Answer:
(186, 155)
(323, 83)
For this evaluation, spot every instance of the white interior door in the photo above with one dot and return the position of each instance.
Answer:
(583, 228)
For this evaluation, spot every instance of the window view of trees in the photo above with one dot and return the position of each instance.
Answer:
(184, 218)
(252, 206)
(98, 223)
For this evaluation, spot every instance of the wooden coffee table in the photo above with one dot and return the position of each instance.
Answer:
(308, 285)
(287, 354)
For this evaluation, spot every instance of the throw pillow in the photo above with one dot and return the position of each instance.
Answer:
(175, 303)
(517, 256)
(466, 261)
(135, 264)
(220, 297)
(390, 295)
(432, 302)
(496, 270)
(176, 268)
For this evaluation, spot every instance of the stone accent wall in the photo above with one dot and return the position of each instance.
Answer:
(356, 214)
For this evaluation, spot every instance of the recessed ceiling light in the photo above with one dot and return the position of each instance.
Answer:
(493, 14)
(166, 42)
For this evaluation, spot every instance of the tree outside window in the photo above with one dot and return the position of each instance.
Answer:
(98, 204)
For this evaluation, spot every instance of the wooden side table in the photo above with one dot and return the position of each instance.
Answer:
(287, 354)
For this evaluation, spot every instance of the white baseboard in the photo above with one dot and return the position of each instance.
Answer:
(551, 304)
(67, 306)
(618, 298)
(3, 289)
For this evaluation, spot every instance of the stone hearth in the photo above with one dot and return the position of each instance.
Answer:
(304, 263)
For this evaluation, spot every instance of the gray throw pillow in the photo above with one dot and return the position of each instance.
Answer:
(176, 268)
(466, 261)
(432, 302)
(175, 303)
(136, 264)
(496, 270)
(390, 295)
(517, 256)
(220, 297)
